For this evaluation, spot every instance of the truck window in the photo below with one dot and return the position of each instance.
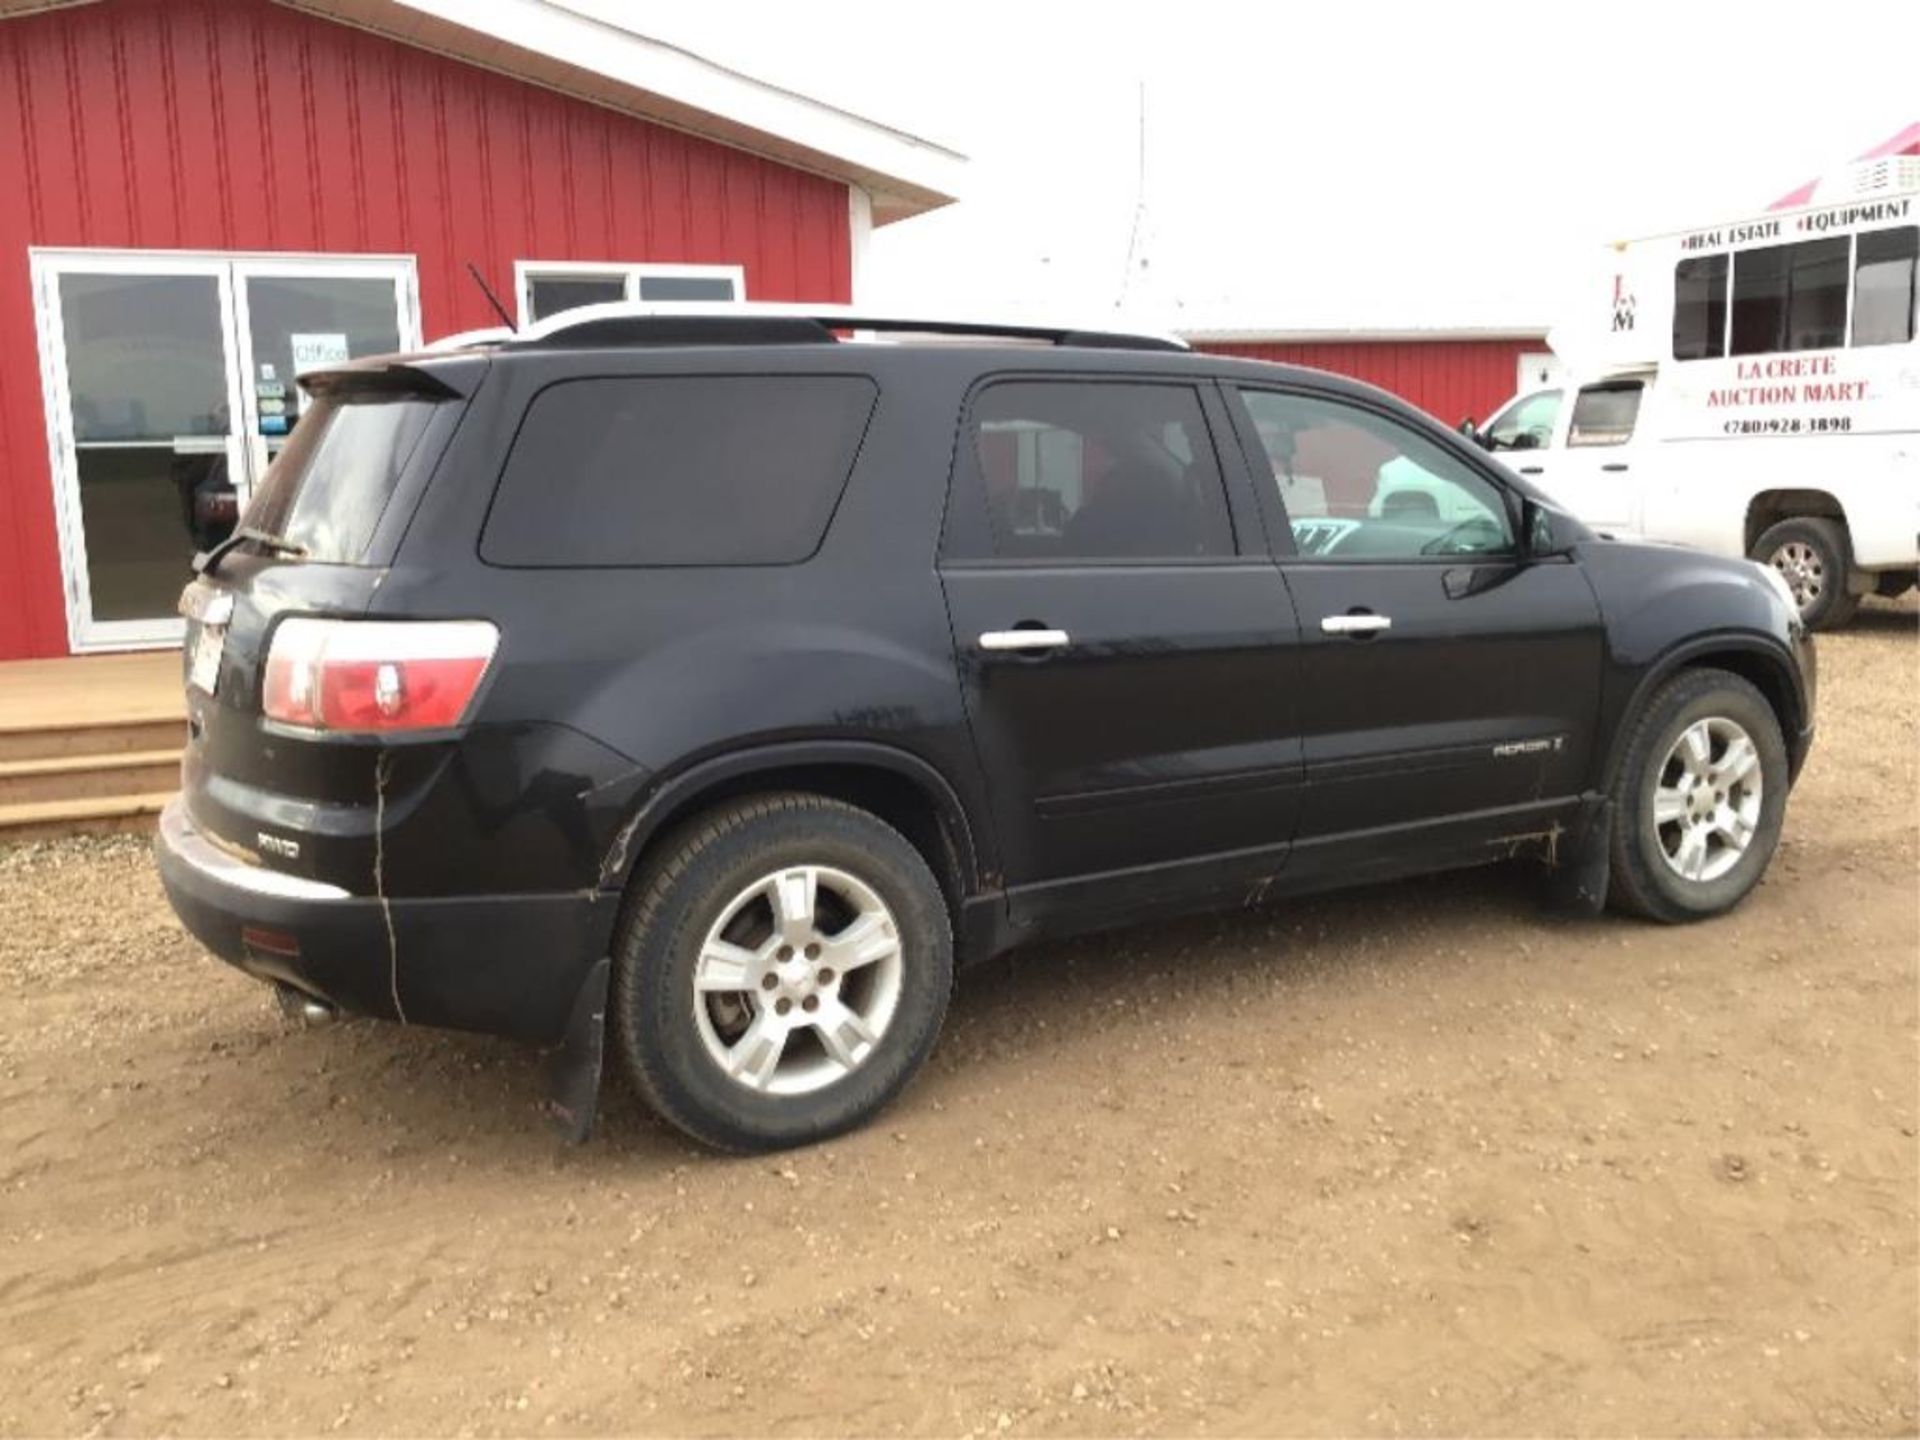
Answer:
(1700, 308)
(1790, 297)
(1883, 286)
(1605, 414)
(1527, 424)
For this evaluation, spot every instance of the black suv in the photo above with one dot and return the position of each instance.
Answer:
(734, 676)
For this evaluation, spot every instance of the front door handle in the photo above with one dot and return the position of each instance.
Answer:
(1533, 469)
(1355, 624)
(1020, 639)
(1614, 469)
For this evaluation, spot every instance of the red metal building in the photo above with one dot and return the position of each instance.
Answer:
(1449, 374)
(202, 196)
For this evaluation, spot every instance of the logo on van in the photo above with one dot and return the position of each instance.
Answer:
(1624, 304)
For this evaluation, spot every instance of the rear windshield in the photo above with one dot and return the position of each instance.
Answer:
(679, 470)
(328, 488)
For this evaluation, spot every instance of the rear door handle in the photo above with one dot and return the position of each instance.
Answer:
(1355, 624)
(1022, 639)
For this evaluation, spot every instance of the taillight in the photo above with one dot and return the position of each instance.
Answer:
(375, 675)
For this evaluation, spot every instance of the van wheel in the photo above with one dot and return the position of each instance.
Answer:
(781, 974)
(1814, 557)
(1699, 799)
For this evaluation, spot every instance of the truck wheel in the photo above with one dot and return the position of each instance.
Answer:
(781, 974)
(1813, 555)
(1699, 799)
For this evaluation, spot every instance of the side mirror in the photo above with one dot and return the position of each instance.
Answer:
(1547, 533)
(1474, 433)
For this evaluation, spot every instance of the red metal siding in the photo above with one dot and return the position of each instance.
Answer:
(1449, 379)
(243, 125)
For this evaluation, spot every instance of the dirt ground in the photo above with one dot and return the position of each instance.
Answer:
(1412, 1159)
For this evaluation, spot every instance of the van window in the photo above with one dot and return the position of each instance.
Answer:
(677, 470)
(1527, 424)
(1078, 470)
(1605, 414)
(1883, 286)
(1700, 308)
(1790, 297)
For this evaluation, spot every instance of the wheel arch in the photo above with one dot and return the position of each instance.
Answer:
(900, 788)
(1769, 507)
(1749, 657)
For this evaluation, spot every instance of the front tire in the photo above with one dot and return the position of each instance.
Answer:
(1814, 556)
(1699, 799)
(782, 972)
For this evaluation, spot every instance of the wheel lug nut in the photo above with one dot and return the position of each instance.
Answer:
(813, 952)
(782, 1005)
(767, 982)
(786, 952)
(826, 976)
(810, 1004)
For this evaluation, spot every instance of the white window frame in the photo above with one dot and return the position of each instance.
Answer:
(230, 270)
(525, 272)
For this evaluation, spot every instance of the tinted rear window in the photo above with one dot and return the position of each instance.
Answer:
(682, 470)
(328, 489)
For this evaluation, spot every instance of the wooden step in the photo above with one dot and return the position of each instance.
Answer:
(45, 819)
(89, 777)
(105, 736)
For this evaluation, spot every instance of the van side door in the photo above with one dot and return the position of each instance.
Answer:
(1600, 469)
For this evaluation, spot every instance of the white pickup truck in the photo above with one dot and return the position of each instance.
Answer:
(1752, 389)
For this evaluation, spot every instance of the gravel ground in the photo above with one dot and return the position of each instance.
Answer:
(1420, 1158)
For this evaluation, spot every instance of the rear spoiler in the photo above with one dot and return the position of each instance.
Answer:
(381, 375)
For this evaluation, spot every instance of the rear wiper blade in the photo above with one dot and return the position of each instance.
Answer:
(206, 560)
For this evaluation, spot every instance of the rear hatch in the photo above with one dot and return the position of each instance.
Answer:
(315, 541)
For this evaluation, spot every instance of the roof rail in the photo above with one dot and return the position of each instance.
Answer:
(758, 323)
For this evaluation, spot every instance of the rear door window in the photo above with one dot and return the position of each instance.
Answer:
(678, 470)
(1091, 471)
(327, 490)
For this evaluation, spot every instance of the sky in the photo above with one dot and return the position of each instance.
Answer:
(1323, 164)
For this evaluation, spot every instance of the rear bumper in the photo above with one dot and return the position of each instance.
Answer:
(500, 964)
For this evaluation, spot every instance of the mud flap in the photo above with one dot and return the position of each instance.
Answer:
(573, 1067)
(1578, 882)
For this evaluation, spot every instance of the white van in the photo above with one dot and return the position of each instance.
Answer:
(1752, 389)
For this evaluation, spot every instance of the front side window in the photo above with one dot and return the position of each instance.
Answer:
(1790, 297)
(1883, 286)
(1605, 414)
(1527, 424)
(1360, 486)
(1700, 308)
(677, 470)
(1084, 471)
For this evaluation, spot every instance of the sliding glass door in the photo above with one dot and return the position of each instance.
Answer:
(171, 382)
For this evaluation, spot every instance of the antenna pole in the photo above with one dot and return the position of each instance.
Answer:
(492, 299)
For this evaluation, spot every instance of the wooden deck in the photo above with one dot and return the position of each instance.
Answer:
(91, 690)
(89, 743)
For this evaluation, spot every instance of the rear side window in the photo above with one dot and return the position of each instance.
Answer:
(1700, 308)
(1079, 470)
(331, 484)
(678, 470)
(1790, 297)
(1885, 269)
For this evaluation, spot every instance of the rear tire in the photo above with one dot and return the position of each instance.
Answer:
(1815, 557)
(781, 974)
(1699, 799)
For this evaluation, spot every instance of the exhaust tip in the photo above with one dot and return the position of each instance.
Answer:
(302, 1008)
